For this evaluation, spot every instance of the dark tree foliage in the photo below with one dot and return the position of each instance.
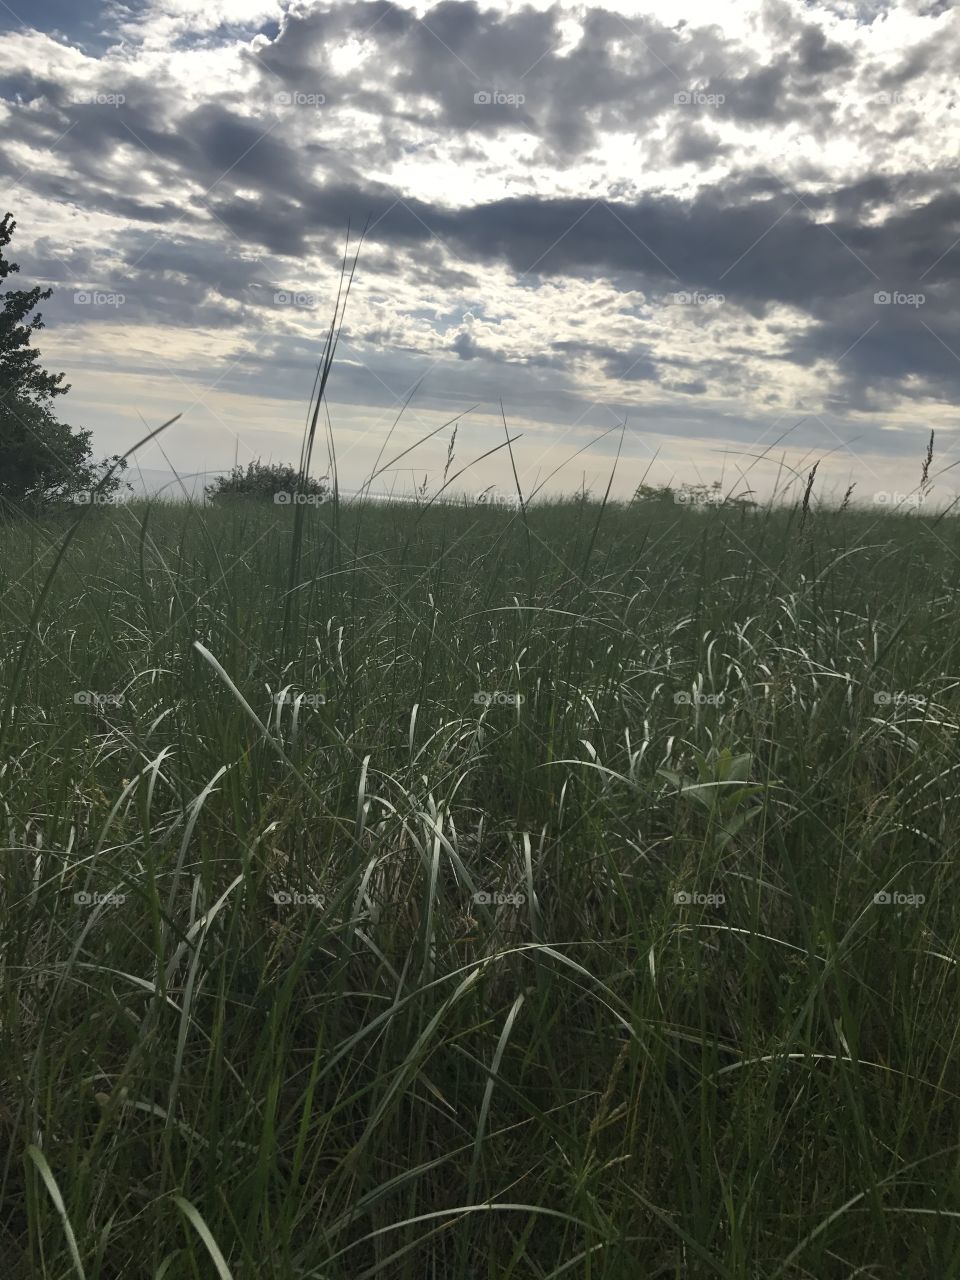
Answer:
(42, 460)
(20, 370)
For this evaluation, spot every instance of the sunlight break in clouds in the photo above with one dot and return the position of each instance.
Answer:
(687, 223)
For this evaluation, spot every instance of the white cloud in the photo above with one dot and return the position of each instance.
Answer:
(209, 128)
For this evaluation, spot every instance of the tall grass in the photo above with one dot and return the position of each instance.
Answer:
(678, 751)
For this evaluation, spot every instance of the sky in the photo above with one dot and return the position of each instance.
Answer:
(669, 242)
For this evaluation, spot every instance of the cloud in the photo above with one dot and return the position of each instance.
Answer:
(568, 182)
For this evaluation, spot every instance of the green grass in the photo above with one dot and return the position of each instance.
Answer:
(591, 1079)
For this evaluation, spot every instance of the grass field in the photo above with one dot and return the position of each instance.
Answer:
(538, 937)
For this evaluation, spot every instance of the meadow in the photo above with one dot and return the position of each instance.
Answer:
(436, 891)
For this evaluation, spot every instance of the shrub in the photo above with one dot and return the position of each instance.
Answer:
(268, 482)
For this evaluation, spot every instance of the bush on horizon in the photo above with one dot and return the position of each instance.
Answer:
(263, 481)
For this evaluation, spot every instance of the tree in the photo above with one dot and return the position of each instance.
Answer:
(41, 459)
(275, 482)
(20, 370)
(653, 493)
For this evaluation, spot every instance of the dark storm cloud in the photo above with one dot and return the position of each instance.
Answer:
(144, 120)
(635, 364)
(466, 348)
(693, 144)
(756, 250)
(881, 348)
(817, 55)
(758, 254)
(695, 388)
(632, 365)
(26, 85)
(622, 74)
